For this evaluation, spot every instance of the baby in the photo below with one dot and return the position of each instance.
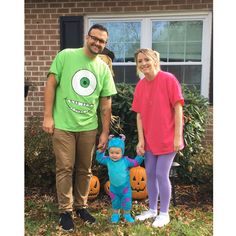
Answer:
(118, 167)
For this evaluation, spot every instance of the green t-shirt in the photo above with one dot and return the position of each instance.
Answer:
(81, 81)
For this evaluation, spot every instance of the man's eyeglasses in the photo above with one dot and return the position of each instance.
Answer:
(95, 39)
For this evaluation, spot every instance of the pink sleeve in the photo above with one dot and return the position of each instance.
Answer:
(175, 91)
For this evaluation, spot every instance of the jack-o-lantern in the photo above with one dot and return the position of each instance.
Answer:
(138, 181)
(107, 187)
(94, 187)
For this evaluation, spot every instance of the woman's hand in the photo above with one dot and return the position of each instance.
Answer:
(178, 126)
(140, 148)
(177, 143)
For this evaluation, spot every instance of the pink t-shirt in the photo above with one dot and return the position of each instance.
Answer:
(155, 101)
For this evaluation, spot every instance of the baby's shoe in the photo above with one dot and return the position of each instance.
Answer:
(115, 218)
(146, 215)
(161, 220)
(128, 218)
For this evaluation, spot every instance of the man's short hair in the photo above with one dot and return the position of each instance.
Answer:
(99, 27)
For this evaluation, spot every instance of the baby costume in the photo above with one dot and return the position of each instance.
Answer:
(119, 176)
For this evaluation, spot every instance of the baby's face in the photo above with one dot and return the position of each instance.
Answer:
(115, 153)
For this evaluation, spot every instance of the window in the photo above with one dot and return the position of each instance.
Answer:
(181, 42)
(184, 44)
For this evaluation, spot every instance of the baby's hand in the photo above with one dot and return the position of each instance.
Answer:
(100, 149)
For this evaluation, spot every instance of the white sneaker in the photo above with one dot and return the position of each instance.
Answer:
(161, 220)
(146, 215)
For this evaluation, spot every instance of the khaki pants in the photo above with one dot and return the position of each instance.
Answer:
(73, 150)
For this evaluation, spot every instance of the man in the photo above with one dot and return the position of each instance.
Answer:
(78, 80)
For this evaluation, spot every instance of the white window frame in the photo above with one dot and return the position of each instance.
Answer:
(146, 36)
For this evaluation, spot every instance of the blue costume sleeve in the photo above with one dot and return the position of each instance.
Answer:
(134, 162)
(101, 158)
(139, 159)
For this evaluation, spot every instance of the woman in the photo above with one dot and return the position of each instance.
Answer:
(158, 102)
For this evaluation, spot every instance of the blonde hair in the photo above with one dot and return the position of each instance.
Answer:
(108, 61)
(154, 55)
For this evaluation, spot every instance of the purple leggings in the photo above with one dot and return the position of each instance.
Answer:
(158, 181)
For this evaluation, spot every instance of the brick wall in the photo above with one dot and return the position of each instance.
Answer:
(42, 39)
(208, 140)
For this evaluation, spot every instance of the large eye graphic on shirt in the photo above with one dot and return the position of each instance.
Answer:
(84, 82)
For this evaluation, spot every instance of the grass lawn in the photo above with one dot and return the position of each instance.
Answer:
(193, 215)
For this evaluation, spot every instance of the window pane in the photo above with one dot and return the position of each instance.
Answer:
(115, 32)
(160, 31)
(187, 74)
(118, 49)
(162, 48)
(124, 38)
(177, 30)
(132, 31)
(130, 49)
(176, 51)
(194, 31)
(193, 51)
(178, 71)
(126, 74)
(193, 75)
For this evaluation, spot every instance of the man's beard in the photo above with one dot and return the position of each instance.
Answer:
(93, 52)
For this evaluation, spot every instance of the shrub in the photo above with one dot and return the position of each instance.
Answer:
(39, 157)
(195, 120)
(201, 166)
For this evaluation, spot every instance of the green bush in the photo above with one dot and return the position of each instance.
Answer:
(201, 166)
(195, 121)
(39, 157)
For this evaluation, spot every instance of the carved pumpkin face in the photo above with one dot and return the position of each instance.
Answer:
(94, 187)
(138, 181)
(107, 187)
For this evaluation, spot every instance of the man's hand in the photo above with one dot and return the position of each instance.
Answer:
(48, 125)
(49, 94)
(102, 142)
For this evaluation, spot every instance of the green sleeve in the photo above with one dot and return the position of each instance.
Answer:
(57, 65)
(108, 85)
